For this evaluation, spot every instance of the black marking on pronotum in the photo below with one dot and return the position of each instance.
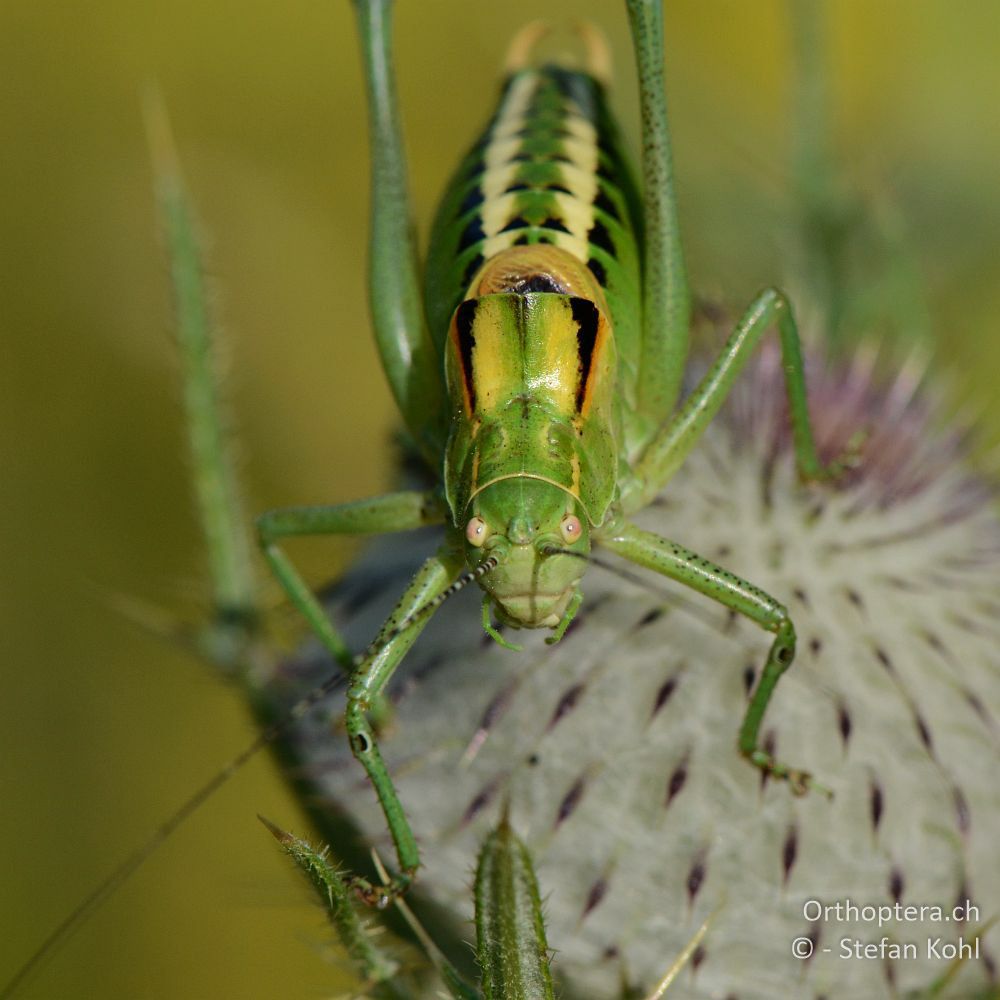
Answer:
(597, 892)
(566, 704)
(896, 884)
(464, 317)
(789, 851)
(587, 318)
(876, 804)
(570, 801)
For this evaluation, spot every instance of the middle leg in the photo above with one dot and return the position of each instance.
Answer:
(667, 451)
(684, 566)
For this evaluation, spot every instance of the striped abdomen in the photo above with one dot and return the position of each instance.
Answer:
(547, 170)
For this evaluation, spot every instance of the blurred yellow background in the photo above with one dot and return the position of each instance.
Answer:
(106, 729)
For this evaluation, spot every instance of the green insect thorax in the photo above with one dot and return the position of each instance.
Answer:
(531, 382)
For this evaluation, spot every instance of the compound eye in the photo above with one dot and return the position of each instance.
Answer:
(476, 531)
(570, 528)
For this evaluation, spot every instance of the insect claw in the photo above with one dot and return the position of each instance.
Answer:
(800, 782)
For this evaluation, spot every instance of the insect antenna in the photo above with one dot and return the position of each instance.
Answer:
(486, 566)
(127, 868)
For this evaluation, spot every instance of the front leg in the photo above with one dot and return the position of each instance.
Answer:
(680, 564)
(368, 682)
(370, 672)
(667, 451)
